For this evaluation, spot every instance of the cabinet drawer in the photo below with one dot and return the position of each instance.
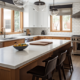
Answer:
(1, 44)
(10, 43)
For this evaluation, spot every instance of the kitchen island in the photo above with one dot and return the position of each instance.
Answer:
(14, 64)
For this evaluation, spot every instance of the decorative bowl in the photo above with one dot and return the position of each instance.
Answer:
(20, 48)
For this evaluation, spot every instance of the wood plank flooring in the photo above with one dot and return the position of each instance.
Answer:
(76, 72)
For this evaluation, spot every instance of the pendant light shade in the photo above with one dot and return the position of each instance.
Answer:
(54, 11)
(39, 6)
(20, 3)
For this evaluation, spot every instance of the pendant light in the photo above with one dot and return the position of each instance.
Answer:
(54, 11)
(20, 3)
(39, 6)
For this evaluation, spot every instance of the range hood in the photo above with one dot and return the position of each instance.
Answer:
(76, 15)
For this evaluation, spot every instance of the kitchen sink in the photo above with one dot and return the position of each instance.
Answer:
(8, 38)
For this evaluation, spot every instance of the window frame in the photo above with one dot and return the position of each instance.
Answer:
(12, 22)
(51, 20)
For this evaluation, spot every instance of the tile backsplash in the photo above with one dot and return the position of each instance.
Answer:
(22, 34)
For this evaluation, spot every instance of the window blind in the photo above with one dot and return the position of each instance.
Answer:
(65, 11)
(10, 6)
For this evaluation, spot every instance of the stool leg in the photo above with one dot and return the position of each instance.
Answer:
(59, 73)
(33, 78)
(37, 78)
(43, 78)
(63, 72)
(71, 62)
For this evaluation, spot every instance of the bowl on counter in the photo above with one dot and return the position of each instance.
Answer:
(20, 47)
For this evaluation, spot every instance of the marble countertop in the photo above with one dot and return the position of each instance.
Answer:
(30, 37)
(16, 37)
(12, 58)
(54, 35)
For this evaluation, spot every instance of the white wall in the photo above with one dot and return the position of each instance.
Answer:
(75, 23)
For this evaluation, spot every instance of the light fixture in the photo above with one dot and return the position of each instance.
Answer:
(39, 6)
(20, 3)
(53, 10)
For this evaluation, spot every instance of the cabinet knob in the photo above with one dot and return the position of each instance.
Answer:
(15, 42)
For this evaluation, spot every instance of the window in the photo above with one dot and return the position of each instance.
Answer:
(17, 20)
(56, 23)
(11, 20)
(7, 20)
(66, 23)
(61, 23)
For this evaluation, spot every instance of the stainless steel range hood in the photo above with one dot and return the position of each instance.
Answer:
(76, 15)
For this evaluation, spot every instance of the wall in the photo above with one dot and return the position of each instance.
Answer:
(75, 23)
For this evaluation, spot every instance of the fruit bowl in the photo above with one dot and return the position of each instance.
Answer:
(20, 47)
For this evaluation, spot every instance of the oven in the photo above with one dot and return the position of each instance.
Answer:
(76, 46)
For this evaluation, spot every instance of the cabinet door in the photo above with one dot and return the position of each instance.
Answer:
(5, 74)
(10, 43)
(42, 37)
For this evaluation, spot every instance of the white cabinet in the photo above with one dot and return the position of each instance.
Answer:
(26, 16)
(43, 18)
(32, 17)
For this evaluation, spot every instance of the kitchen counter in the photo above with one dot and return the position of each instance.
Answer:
(31, 37)
(53, 35)
(13, 59)
(16, 38)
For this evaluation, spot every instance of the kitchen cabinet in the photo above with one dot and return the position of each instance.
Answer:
(36, 38)
(50, 37)
(32, 17)
(1, 44)
(9, 43)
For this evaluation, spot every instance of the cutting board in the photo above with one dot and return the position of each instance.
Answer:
(42, 43)
(46, 42)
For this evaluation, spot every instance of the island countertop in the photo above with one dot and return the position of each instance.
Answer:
(11, 58)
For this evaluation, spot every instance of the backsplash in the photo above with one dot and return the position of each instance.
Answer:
(22, 34)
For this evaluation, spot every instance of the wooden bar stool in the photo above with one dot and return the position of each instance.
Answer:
(44, 72)
(70, 65)
(60, 61)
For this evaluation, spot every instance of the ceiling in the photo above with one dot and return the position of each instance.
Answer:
(9, 1)
(57, 1)
(48, 1)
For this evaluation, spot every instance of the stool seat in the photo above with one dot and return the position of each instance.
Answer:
(59, 65)
(44, 72)
(46, 60)
(39, 70)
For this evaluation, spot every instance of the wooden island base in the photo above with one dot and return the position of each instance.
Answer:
(21, 72)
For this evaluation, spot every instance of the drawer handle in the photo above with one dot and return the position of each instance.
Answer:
(15, 42)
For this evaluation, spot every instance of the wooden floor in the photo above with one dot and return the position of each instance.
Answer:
(76, 73)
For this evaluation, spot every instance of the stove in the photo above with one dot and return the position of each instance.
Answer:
(76, 44)
(75, 38)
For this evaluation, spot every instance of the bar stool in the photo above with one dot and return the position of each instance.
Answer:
(44, 72)
(70, 65)
(60, 61)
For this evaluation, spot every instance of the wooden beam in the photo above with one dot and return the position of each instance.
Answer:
(60, 23)
(71, 24)
(12, 21)
(1, 19)
(51, 23)
(21, 21)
